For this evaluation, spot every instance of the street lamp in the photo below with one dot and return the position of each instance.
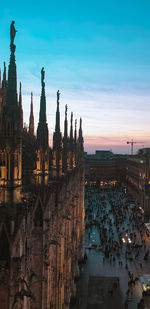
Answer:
(126, 239)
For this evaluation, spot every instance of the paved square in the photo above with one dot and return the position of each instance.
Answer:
(103, 294)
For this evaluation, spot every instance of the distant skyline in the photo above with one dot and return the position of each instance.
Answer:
(97, 54)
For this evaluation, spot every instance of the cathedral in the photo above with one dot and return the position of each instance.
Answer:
(41, 201)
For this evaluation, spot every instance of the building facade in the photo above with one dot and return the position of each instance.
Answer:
(132, 172)
(100, 167)
(41, 203)
(138, 179)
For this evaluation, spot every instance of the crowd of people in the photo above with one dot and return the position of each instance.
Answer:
(121, 233)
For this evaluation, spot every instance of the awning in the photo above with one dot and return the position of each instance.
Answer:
(147, 226)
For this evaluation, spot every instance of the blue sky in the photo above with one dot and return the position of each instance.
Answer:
(97, 53)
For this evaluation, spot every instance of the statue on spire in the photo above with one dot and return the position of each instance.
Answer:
(58, 96)
(12, 32)
(66, 108)
(42, 77)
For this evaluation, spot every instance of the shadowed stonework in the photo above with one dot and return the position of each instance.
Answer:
(41, 202)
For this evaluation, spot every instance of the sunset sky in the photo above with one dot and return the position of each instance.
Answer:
(97, 53)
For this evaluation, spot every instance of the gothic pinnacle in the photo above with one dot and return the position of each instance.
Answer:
(80, 133)
(4, 75)
(71, 127)
(42, 117)
(20, 95)
(66, 109)
(66, 124)
(75, 131)
(81, 123)
(31, 119)
(12, 74)
(42, 130)
(57, 126)
(20, 106)
(31, 102)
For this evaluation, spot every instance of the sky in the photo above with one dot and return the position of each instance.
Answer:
(97, 53)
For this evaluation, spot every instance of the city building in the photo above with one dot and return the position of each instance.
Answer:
(105, 168)
(138, 179)
(41, 202)
(131, 171)
(101, 166)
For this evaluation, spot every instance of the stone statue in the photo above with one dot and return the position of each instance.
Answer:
(66, 108)
(42, 77)
(58, 96)
(12, 32)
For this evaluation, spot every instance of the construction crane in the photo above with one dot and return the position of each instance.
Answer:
(132, 143)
